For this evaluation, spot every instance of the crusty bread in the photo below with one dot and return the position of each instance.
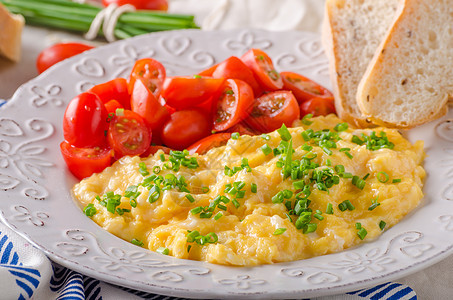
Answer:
(10, 34)
(410, 78)
(353, 30)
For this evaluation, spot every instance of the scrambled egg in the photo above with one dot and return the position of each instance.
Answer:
(259, 227)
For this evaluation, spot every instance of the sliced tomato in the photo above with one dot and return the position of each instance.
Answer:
(204, 145)
(128, 134)
(184, 128)
(151, 72)
(85, 121)
(263, 69)
(272, 110)
(116, 89)
(112, 106)
(83, 162)
(302, 87)
(318, 106)
(233, 105)
(182, 92)
(153, 149)
(209, 71)
(144, 103)
(234, 68)
(58, 52)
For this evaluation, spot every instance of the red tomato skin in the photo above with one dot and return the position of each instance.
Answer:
(234, 68)
(183, 92)
(318, 106)
(302, 87)
(184, 128)
(145, 104)
(134, 132)
(250, 59)
(82, 166)
(243, 104)
(112, 106)
(116, 89)
(204, 145)
(141, 4)
(266, 121)
(209, 71)
(85, 121)
(58, 52)
(151, 72)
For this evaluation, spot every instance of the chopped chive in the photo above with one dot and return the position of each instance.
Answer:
(289, 217)
(349, 205)
(311, 227)
(137, 242)
(346, 175)
(298, 185)
(339, 169)
(305, 136)
(218, 216)
(318, 216)
(362, 233)
(329, 209)
(196, 210)
(190, 198)
(279, 231)
(382, 179)
(162, 157)
(396, 180)
(253, 188)
(205, 215)
(235, 203)
(90, 210)
(265, 136)
(344, 149)
(205, 189)
(306, 121)
(382, 225)
(366, 176)
(349, 155)
(341, 127)
(156, 169)
(326, 150)
(328, 162)
(266, 149)
(358, 225)
(143, 169)
(235, 135)
(240, 194)
(285, 135)
(163, 250)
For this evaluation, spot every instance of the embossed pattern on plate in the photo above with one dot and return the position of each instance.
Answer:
(36, 198)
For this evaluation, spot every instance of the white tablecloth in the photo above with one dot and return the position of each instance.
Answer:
(435, 282)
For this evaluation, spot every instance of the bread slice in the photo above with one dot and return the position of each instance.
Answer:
(410, 78)
(10, 34)
(353, 30)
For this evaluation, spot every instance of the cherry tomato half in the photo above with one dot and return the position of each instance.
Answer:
(209, 71)
(151, 72)
(234, 68)
(140, 4)
(204, 145)
(272, 110)
(318, 106)
(58, 52)
(263, 69)
(112, 106)
(233, 105)
(303, 88)
(116, 89)
(184, 128)
(85, 121)
(145, 104)
(128, 134)
(83, 162)
(182, 92)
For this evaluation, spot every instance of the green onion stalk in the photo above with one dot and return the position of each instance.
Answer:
(77, 17)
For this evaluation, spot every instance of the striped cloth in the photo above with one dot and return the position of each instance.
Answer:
(25, 273)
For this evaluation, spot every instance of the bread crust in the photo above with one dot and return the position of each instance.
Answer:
(435, 107)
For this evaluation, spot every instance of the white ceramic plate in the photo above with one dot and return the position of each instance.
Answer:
(36, 198)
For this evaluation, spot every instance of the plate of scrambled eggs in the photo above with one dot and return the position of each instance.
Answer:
(316, 209)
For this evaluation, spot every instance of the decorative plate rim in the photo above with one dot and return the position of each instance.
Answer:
(37, 202)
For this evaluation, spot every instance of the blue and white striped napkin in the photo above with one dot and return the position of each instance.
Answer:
(26, 273)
